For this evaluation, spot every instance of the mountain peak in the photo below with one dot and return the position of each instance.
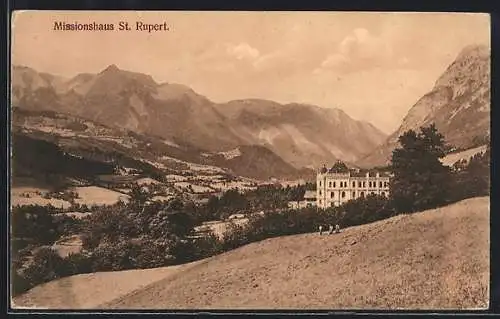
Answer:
(478, 50)
(111, 68)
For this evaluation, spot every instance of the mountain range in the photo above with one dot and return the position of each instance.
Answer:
(459, 105)
(302, 135)
(295, 136)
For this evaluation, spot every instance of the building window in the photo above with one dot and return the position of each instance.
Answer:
(343, 194)
(331, 194)
(373, 193)
(362, 194)
(320, 193)
(383, 194)
(329, 184)
(353, 194)
(353, 184)
(386, 184)
(359, 184)
(334, 184)
(380, 184)
(364, 184)
(319, 183)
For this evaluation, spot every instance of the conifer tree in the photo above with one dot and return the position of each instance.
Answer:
(420, 181)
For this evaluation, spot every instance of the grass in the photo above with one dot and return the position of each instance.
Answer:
(18, 197)
(452, 158)
(93, 195)
(437, 259)
(66, 246)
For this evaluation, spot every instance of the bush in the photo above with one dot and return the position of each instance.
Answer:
(207, 246)
(19, 284)
(290, 222)
(114, 255)
(35, 223)
(366, 210)
(77, 264)
(471, 178)
(46, 265)
(235, 236)
(68, 225)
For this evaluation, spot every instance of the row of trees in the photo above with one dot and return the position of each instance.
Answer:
(268, 197)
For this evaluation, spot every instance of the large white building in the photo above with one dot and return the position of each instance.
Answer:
(338, 185)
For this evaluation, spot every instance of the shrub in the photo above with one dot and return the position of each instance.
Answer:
(235, 236)
(206, 246)
(46, 265)
(472, 178)
(289, 222)
(76, 126)
(114, 255)
(19, 284)
(34, 223)
(78, 263)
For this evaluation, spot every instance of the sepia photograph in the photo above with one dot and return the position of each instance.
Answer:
(249, 160)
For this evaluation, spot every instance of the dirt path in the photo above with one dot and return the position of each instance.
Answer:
(88, 291)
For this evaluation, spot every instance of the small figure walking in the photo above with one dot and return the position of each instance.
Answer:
(337, 229)
(320, 230)
(330, 229)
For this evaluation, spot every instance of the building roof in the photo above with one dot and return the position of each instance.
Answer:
(339, 167)
(310, 194)
(371, 173)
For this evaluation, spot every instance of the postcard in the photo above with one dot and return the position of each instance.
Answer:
(230, 160)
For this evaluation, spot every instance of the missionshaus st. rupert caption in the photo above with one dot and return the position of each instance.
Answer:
(121, 26)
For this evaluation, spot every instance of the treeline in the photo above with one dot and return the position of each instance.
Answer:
(263, 198)
(306, 220)
(28, 162)
(48, 161)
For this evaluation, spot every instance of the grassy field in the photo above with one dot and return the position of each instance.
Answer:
(437, 259)
(33, 196)
(451, 159)
(93, 195)
(66, 246)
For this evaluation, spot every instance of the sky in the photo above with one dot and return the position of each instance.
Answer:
(374, 66)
